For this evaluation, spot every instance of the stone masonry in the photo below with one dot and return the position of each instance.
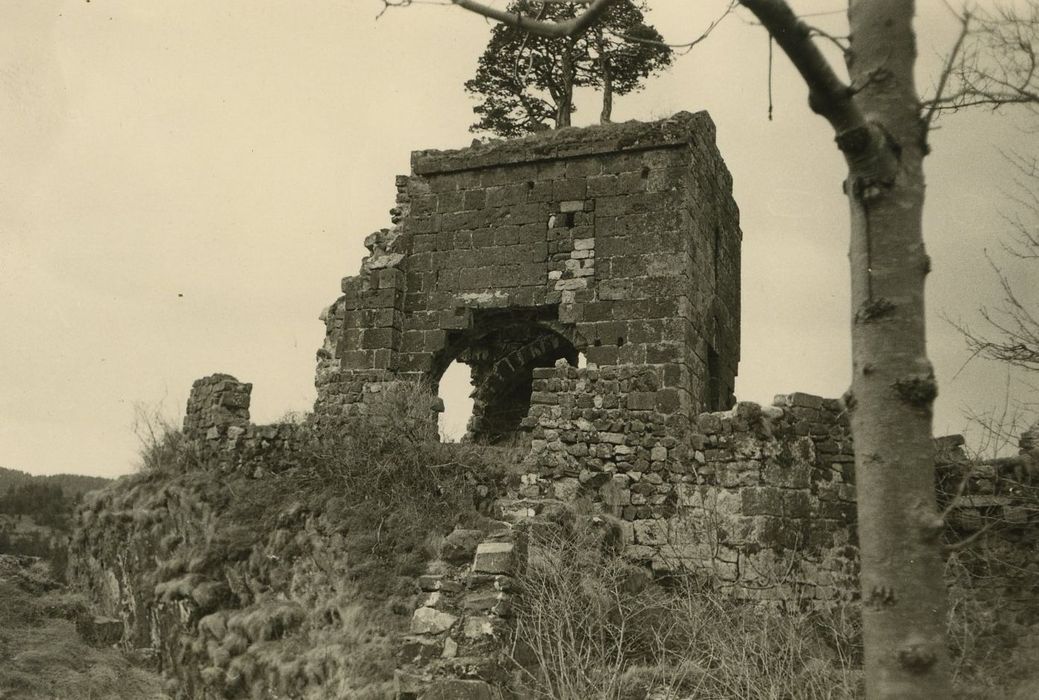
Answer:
(618, 242)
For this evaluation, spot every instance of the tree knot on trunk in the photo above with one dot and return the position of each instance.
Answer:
(873, 157)
(931, 525)
(866, 188)
(849, 401)
(874, 310)
(880, 597)
(916, 656)
(854, 141)
(917, 391)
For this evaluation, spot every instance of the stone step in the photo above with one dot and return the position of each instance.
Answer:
(519, 509)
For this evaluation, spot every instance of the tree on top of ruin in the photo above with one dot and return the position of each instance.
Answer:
(526, 82)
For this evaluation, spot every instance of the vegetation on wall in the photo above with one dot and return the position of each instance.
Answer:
(293, 576)
(526, 83)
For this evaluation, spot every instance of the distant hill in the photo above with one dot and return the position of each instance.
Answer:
(71, 484)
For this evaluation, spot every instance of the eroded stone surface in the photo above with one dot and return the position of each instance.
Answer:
(494, 558)
(428, 620)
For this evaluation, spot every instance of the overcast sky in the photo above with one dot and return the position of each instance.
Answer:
(183, 184)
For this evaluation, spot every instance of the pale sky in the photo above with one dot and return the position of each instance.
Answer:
(183, 184)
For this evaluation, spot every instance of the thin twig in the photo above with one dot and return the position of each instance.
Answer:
(947, 71)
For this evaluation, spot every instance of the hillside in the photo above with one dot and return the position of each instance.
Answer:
(35, 512)
(42, 654)
(71, 484)
(292, 574)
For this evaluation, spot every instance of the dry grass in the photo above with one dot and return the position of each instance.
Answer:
(591, 625)
(43, 658)
(306, 573)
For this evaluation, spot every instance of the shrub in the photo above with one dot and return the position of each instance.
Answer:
(591, 625)
(308, 552)
(162, 445)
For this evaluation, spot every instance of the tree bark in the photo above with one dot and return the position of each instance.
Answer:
(882, 136)
(607, 79)
(893, 384)
(566, 97)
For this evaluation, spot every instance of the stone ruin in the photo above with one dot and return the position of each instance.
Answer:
(621, 244)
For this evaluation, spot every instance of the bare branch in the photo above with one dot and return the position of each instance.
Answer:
(956, 546)
(828, 96)
(943, 79)
(997, 64)
(687, 46)
(841, 42)
(553, 30)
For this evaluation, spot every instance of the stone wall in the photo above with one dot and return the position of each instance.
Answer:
(458, 643)
(620, 242)
(216, 404)
(759, 499)
(217, 421)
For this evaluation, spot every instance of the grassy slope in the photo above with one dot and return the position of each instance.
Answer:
(42, 657)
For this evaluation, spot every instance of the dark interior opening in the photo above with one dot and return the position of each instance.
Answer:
(715, 388)
(502, 349)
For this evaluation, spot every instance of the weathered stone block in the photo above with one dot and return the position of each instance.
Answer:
(460, 546)
(650, 532)
(431, 621)
(98, 630)
(495, 558)
(458, 689)
(642, 400)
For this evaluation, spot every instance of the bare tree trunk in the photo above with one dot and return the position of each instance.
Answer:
(893, 385)
(566, 98)
(607, 78)
(880, 131)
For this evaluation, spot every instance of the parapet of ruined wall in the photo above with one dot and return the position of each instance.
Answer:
(620, 242)
(217, 420)
(759, 500)
(217, 403)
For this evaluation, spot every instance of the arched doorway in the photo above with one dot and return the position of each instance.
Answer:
(502, 349)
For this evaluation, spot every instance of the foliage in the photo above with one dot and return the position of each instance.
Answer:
(526, 82)
(47, 504)
(162, 445)
(590, 624)
(384, 480)
(71, 484)
(301, 564)
(988, 662)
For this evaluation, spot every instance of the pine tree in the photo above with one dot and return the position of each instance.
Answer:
(527, 82)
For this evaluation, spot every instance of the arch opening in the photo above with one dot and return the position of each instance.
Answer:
(456, 387)
(501, 354)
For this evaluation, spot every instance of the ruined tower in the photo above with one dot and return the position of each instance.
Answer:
(618, 242)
